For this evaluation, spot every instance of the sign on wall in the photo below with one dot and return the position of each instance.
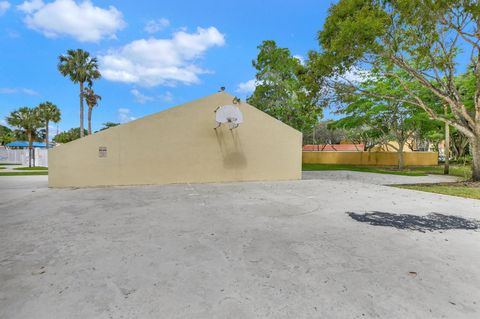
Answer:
(102, 151)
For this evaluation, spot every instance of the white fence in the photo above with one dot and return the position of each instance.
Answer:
(20, 156)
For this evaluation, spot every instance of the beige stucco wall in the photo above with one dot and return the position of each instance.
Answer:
(371, 158)
(391, 146)
(179, 145)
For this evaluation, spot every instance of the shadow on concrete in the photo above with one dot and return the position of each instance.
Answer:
(430, 222)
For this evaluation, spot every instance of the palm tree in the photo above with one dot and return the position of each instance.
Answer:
(92, 100)
(48, 112)
(81, 68)
(28, 120)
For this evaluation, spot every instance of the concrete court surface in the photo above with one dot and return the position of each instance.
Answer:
(233, 250)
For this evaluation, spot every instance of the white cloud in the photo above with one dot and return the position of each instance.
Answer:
(140, 97)
(153, 26)
(124, 115)
(83, 21)
(166, 97)
(300, 58)
(354, 75)
(246, 87)
(152, 62)
(18, 91)
(4, 6)
(30, 6)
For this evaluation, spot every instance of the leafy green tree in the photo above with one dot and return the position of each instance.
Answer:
(283, 89)
(68, 136)
(6, 138)
(108, 125)
(386, 119)
(20, 135)
(466, 84)
(92, 100)
(429, 134)
(459, 145)
(38, 135)
(81, 68)
(361, 134)
(422, 38)
(324, 134)
(48, 112)
(4, 129)
(6, 135)
(26, 119)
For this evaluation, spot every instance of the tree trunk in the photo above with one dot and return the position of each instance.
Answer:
(30, 142)
(89, 118)
(446, 150)
(46, 135)
(81, 110)
(400, 155)
(455, 150)
(476, 159)
(461, 150)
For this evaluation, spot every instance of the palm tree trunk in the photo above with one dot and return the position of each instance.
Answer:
(81, 110)
(90, 120)
(29, 135)
(46, 134)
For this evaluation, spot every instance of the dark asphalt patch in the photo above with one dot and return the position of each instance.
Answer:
(430, 222)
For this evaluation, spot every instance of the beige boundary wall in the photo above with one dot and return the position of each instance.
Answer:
(180, 145)
(371, 158)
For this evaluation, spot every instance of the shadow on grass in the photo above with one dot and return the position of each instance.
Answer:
(431, 222)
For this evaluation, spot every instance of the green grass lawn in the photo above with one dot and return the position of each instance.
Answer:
(355, 168)
(462, 189)
(467, 190)
(4, 164)
(464, 171)
(23, 173)
(36, 168)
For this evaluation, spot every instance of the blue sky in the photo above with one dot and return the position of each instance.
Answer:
(153, 55)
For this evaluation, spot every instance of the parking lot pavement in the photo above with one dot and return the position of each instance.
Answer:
(16, 187)
(234, 250)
